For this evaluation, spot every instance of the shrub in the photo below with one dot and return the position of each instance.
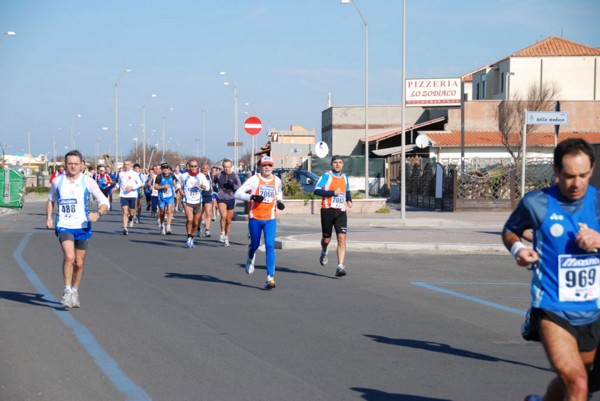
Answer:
(38, 190)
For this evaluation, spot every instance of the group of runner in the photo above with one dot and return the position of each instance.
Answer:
(564, 219)
(200, 188)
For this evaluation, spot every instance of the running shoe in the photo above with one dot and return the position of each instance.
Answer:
(323, 258)
(137, 220)
(222, 238)
(214, 218)
(168, 229)
(270, 283)
(125, 231)
(66, 299)
(250, 265)
(130, 219)
(190, 243)
(75, 299)
(207, 233)
(340, 271)
(226, 241)
(198, 233)
(163, 230)
(533, 397)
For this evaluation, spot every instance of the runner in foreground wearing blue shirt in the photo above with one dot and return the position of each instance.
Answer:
(565, 287)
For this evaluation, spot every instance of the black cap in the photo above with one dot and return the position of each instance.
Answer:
(165, 165)
(336, 157)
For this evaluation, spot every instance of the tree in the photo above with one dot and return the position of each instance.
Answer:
(510, 115)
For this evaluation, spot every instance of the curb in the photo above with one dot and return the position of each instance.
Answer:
(290, 243)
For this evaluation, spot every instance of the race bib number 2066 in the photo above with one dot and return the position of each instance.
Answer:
(578, 279)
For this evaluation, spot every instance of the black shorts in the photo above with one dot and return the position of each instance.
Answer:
(105, 191)
(333, 218)
(587, 335)
(80, 245)
(207, 199)
(129, 202)
(229, 202)
(196, 207)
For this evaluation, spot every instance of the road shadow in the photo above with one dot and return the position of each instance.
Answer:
(209, 279)
(30, 298)
(447, 349)
(287, 270)
(370, 394)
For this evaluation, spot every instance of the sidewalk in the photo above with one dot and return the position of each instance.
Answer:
(421, 230)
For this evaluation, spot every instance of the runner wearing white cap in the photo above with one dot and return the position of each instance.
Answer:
(265, 194)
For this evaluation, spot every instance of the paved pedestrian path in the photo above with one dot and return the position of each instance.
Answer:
(419, 230)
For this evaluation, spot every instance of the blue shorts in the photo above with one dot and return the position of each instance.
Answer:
(229, 202)
(73, 234)
(207, 199)
(129, 202)
(162, 203)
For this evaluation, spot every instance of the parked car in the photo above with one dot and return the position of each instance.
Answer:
(307, 179)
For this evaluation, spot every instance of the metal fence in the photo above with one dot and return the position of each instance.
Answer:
(491, 187)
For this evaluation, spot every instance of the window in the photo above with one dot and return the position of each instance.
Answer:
(483, 94)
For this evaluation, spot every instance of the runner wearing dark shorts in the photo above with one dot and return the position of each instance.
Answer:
(334, 188)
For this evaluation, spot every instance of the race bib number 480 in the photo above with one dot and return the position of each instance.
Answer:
(578, 278)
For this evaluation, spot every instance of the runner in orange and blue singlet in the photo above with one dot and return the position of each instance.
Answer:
(334, 187)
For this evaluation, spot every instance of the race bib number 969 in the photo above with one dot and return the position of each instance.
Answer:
(578, 278)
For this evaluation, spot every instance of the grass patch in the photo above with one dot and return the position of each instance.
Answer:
(383, 210)
(37, 190)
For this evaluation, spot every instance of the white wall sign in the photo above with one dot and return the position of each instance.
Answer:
(433, 92)
(547, 118)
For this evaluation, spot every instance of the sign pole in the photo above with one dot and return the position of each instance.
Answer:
(523, 153)
(252, 126)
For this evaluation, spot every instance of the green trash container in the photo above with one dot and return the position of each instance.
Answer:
(12, 184)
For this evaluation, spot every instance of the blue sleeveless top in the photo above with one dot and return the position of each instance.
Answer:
(566, 278)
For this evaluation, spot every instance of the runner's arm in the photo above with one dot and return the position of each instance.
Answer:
(248, 186)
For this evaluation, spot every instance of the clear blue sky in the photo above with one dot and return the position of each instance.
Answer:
(284, 56)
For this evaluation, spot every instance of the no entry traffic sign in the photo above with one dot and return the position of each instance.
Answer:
(253, 125)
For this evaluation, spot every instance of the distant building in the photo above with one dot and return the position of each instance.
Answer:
(26, 163)
(289, 149)
(572, 68)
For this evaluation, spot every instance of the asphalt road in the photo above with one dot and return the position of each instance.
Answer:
(159, 321)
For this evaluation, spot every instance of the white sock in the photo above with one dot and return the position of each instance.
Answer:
(67, 288)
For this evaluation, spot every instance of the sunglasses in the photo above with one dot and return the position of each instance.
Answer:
(193, 165)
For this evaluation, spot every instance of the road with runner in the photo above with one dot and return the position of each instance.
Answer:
(162, 322)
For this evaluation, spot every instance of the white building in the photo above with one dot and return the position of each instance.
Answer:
(571, 66)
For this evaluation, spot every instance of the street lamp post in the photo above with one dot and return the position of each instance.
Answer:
(152, 95)
(72, 130)
(126, 71)
(366, 95)
(163, 132)
(203, 121)
(235, 119)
